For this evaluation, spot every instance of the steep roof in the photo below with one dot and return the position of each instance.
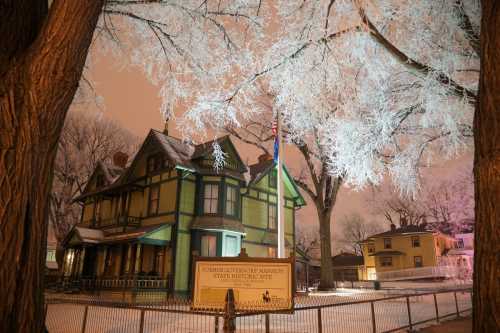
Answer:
(83, 235)
(402, 230)
(258, 170)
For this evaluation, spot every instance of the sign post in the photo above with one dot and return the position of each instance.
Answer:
(257, 284)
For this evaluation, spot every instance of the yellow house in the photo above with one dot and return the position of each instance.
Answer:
(407, 252)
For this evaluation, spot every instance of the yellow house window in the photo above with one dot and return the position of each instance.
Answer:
(386, 261)
(418, 261)
(387, 243)
(415, 241)
(371, 248)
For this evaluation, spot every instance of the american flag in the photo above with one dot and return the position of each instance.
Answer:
(274, 128)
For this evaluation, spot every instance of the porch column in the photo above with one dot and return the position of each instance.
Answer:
(102, 269)
(128, 263)
(81, 258)
(138, 258)
(307, 275)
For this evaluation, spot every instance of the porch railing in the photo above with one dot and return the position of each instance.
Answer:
(419, 273)
(122, 221)
(139, 283)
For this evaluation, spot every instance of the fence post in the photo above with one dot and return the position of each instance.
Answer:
(216, 324)
(141, 323)
(374, 325)
(229, 313)
(320, 321)
(84, 322)
(436, 306)
(409, 312)
(268, 324)
(456, 304)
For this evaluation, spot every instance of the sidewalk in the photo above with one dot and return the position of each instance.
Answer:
(454, 326)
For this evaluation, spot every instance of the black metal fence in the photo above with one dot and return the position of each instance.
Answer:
(372, 314)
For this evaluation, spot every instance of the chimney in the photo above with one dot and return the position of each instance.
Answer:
(120, 159)
(393, 227)
(165, 129)
(265, 157)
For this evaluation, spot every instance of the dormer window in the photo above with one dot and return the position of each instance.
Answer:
(156, 163)
(99, 181)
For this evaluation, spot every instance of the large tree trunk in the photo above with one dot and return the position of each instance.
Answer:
(486, 302)
(40, 68)
(326, 270)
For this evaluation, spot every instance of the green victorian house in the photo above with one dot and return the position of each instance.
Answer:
(141, 224)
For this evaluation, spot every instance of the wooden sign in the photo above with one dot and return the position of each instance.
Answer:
(259, 284)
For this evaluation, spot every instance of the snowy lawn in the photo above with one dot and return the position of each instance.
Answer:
(389, 314)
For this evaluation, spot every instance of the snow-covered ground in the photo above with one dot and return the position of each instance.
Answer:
(389, 314)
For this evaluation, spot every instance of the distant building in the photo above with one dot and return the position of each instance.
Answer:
(462, 256)
(348, 267)
(408, 252)
(142, 224)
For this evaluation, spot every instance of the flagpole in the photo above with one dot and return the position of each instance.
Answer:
(280, 201)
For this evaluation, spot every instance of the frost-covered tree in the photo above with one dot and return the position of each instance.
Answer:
(86, 139)
(356, 229)
(369, 88)
(449, 204)
(43, 51)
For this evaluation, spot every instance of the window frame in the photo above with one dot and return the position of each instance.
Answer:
(157, 200)
(386, 261)
(415, 261)
(155, 163)
(371, 248)
(236, 208)
(415, 240)
(269, 226)
(217, 199)
(387, 243)
(210, 236)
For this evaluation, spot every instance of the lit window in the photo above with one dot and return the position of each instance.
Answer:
(155, 163)
(211, 199)
(386, 261)
(415, 241)
(271, 252)
(418, 261)
(271, 222)
(154, 199)
(97, 211)
(231, 200)
(231, 246)
(208, 246)
(387, 243)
